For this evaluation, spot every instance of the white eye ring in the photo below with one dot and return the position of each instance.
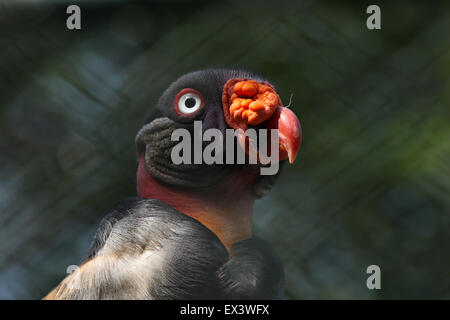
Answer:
(189, 103)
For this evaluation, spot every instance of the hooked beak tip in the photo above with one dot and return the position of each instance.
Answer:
(291, 157)
(289, 131)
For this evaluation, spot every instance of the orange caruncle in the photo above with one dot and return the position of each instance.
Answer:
(249, 102)
(253, 102)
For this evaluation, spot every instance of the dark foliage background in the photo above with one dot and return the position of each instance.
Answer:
(371, 185)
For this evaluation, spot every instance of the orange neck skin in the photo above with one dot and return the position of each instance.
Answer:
(226, 210)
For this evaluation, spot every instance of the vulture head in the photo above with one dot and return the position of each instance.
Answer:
(219, 195)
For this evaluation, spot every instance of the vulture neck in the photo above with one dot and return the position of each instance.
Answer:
(226, 210)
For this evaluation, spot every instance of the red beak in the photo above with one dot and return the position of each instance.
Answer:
(289, 132)
(248, 102)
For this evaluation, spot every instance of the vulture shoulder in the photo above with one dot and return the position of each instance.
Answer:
(145, 249)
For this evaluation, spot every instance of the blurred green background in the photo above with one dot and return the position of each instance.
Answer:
(371, 184)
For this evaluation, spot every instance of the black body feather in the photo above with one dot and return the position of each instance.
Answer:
(144, 249)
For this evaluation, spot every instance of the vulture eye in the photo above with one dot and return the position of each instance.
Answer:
(188, 101)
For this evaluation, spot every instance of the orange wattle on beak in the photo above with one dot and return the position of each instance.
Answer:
(248, 102)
